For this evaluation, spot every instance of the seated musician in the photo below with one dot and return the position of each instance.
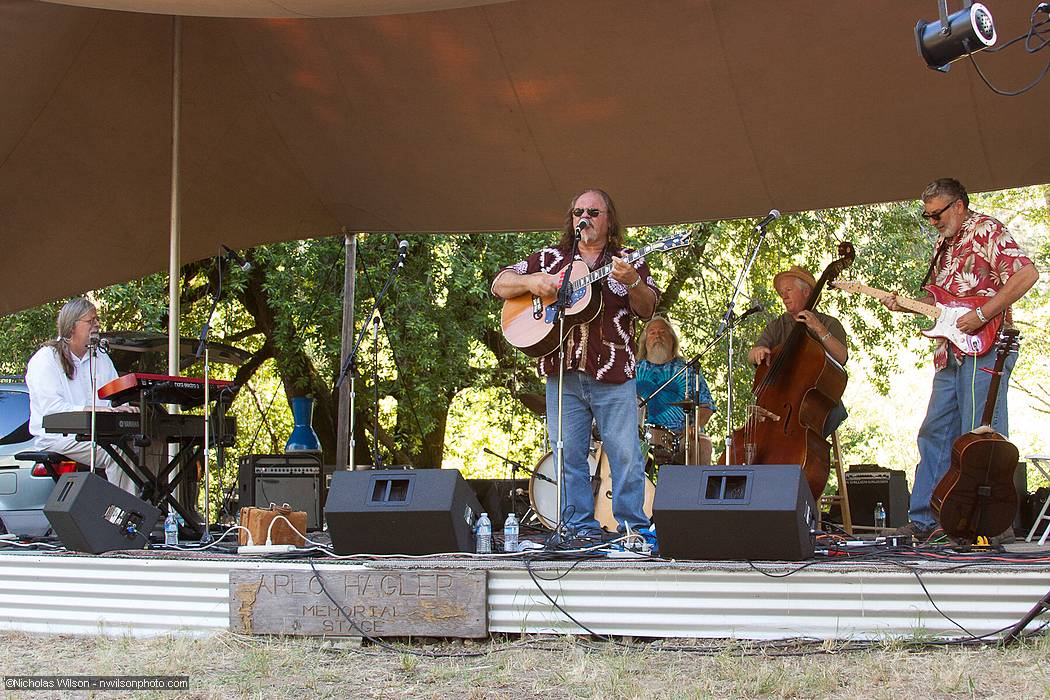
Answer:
(59, 379)
(794, 286)
(658, 360)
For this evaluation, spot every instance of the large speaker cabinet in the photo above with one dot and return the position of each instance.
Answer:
(737, 512)
(89, 514)
(401, 511)
(292, 478)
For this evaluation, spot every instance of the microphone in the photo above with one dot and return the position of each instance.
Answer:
(753, 310)
(234, 257)
(402, 248)
(584, 223)
(772, 216)
(97, 342)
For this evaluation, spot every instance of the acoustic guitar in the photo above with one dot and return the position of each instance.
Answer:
(945, 311)
(977, 495)
(530, 323)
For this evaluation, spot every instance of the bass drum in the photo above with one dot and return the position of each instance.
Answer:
(543, 494)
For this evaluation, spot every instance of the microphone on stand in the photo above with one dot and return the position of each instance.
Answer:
(772, 216)
(753, 310)
(584, 223)
(402, 253)
(234, 257)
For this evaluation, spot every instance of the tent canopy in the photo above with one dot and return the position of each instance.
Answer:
(481, 118)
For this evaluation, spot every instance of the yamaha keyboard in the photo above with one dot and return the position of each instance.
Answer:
(160, 388)
(117, 424)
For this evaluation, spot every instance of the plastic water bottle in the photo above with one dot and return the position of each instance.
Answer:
(484, 536)
(510, 534)
(171, 529)
(880, 516)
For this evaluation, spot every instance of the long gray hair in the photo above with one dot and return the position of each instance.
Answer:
(72, 312)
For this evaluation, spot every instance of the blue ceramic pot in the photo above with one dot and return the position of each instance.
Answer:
(303, 437)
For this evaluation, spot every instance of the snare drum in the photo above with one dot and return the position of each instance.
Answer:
(664, 443)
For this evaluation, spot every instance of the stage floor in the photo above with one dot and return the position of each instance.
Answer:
(881, 595)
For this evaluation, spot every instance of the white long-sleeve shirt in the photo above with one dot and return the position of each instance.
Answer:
(51, 391)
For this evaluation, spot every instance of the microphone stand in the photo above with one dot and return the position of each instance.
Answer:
(350, 363)
(93, 343)
(728, 321)
(561, 305)
(202, 347)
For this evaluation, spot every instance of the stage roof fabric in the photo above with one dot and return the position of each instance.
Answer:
(480, 118)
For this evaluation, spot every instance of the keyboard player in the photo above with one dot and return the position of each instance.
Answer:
(59, 379)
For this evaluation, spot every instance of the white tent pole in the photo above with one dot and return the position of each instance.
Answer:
(344, 451)
(174, 261)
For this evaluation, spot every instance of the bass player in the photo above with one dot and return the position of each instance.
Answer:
(599, 383)
(975, 255)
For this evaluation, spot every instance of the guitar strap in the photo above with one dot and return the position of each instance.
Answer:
(933, 261)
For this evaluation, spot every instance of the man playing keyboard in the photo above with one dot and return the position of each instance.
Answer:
(59, 379)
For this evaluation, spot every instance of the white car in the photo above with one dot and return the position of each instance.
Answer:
(24, 486)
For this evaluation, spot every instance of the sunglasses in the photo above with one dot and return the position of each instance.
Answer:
(936, 215)
(592, 212)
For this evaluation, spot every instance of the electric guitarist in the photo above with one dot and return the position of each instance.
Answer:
(975, 256)
(599, 375)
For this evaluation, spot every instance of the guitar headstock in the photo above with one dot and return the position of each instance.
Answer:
(680, 239)
(847, 285)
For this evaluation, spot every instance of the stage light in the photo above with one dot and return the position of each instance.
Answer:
(950, 38)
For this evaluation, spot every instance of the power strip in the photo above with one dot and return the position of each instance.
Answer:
(266, 549)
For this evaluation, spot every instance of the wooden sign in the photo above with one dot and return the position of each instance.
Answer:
(380, 603)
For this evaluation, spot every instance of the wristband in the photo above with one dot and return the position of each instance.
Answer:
(825, 336)
(634, 284)
(980, 314)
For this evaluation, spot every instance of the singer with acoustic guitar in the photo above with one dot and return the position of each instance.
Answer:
(975, 255)
(59, 379)
(599, 383)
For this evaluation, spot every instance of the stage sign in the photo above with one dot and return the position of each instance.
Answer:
(380, 603)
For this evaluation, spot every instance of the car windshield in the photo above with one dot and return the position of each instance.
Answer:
(14, 417)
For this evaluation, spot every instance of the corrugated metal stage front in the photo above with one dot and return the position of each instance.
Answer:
(146, 593)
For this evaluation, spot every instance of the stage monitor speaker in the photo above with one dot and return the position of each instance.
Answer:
(89, 514)
(869, 485)
(292, 478)
(753, 512)
(401, 511)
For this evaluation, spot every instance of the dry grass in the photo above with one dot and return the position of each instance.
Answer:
(229, 666)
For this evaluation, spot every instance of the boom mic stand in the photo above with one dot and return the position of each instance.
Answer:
(728, 322)
(561, 305)
(350, 363)
(202, 348)
(694, 361)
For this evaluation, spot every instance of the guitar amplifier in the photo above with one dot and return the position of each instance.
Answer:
(292, 478)
(868, 485)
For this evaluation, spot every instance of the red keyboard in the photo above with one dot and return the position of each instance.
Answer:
(160, 388)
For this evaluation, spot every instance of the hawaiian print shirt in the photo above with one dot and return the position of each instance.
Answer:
(978, 262)
(603, 348)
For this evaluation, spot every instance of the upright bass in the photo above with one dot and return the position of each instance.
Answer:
(793, 395)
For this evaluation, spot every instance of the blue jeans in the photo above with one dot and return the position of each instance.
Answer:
(956, 407)
(615, 409)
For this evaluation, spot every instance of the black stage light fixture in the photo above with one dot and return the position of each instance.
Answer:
(952, 37)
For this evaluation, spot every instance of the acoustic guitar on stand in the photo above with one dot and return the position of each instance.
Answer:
(530, 323)
(946, 310)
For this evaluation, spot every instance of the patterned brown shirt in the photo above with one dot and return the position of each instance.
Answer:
(603, 348)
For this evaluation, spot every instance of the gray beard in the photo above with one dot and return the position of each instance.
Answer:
(658, 353)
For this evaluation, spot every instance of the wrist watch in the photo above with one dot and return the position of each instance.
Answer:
(634, 284)
(980, 314)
